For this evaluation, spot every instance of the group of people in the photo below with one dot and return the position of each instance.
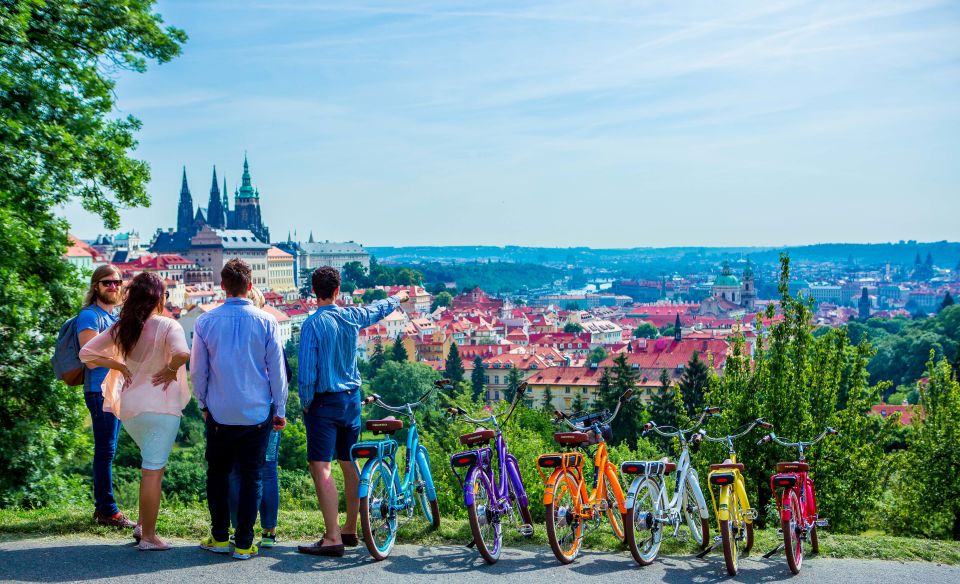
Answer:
(136, 377)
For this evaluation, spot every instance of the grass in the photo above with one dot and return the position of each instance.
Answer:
(192, 522)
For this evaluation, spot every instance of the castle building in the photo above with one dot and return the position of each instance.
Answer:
(245, 216)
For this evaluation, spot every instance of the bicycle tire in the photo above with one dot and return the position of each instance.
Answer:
(489, 555)
(729, 547)
(630, 520)
(792, 540)
(697, 525)
(613, 512)
(433, 516)
(564, 480)
(377, 552)
(814, 540)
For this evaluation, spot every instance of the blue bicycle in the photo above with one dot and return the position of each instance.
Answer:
(385, 496)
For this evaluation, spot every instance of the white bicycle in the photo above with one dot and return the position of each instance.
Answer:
(650, 509)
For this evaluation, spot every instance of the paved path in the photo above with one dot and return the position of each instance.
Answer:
(107, 561)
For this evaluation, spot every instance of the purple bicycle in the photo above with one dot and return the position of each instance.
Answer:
(489, 499)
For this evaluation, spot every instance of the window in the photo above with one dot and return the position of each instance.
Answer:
(566, 390)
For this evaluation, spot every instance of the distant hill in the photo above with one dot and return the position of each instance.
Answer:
(946, 254)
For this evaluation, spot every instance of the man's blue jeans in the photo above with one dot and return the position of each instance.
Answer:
(269, 497)
(106, 429)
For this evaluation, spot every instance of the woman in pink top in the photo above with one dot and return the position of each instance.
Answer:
(146, 387)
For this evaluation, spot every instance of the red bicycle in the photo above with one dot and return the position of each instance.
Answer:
(796, 501)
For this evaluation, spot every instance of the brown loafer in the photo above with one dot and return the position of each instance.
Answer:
(350, 539)
(117, 520)
(318, 549)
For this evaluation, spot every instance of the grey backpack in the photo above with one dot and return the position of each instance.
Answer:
(66, 354)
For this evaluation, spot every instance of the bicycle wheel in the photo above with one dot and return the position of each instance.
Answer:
(485, 525)
(431, 509)
(524, 510)
(616, 518)
(564, 524)
(814, 540)
(377, 518)
(692, 514)
(792, 532)
(643, 532)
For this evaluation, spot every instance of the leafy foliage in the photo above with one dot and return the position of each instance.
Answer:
(454, 366)
(59, 140)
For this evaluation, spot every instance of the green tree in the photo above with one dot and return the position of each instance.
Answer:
(373, 294)
(399, 383)
(398, 352)
(60, 140)
(663, 409)
(547, 405)
(632, 417)
(577, 405)
(377, 358)
(573, 305)
(442, 299)
(645, 330)
(514, 379)
(597, 355)
(356, 273)
(694, 383)
(929, 490)
(573, 327)
(947, 301)
(454, 366)
(477, 379)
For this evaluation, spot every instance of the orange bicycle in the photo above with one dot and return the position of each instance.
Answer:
(571, 507)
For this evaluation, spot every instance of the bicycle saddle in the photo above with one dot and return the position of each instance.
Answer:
(388, 425)
(792, 467)
(479, 437)
(727, 465)
(571, 438)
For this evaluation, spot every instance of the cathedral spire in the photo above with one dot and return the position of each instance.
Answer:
(185, 208)
(311, 237)
(215, 213)
(246, 185)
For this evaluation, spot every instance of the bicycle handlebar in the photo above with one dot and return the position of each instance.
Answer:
(651, 426)
(407, 408)
(750, 426)
(771, 437)
(492, 418)
(560, 416)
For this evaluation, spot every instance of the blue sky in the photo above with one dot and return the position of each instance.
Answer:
(606, 124)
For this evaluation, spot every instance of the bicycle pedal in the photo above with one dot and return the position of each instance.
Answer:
(750, 514)
(822, 523)
(526, 530)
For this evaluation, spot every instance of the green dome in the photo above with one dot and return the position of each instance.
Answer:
(726, 280)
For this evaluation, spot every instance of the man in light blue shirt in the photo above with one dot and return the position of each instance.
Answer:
(240, 381)
(330, 395)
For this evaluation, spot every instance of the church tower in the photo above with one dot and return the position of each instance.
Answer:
(748, 297)
(247, 207)
(185, 216)
(216, 217)
(863, 305)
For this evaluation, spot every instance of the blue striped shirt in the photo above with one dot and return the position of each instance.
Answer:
(237, 364)
(328, 347)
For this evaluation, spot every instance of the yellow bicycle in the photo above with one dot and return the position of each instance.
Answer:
(731, 506)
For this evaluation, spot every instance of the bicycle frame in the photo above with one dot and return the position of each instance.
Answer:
(480, 462)
(595, 494)
(386, 450)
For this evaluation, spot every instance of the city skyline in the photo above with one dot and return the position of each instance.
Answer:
(440, 124)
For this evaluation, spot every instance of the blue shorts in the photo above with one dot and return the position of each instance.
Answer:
(333, 425)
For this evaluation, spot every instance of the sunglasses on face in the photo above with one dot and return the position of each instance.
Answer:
(114, 283)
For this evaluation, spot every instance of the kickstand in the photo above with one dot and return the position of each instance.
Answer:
(706, 551)
(471, 544)
(770, 554)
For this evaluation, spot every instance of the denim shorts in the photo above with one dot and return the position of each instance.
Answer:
(333, 425)
(154, 434)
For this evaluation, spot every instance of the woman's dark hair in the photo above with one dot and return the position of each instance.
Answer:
(143, 298)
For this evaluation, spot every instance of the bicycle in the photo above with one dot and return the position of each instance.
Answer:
(384, 496)
(570, 508)
(650, 508)
(731, 506)
(796, 501)
(487, 499)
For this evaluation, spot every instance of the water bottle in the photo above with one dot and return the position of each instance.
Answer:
(272, 446)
